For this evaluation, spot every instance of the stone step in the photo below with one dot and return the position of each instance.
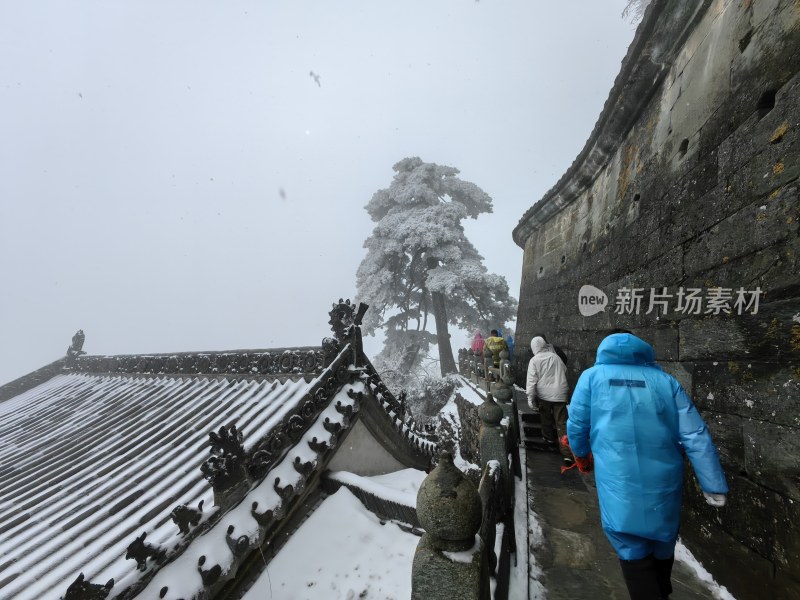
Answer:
(533, 443)
(530, 423)
(530, 417)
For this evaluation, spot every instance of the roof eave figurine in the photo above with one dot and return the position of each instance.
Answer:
(76, 348)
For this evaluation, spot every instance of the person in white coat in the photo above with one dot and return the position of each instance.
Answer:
(547, 389)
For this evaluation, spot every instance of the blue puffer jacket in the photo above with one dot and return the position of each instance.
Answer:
(635, 419)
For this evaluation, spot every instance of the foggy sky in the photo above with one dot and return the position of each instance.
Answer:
(172, 178)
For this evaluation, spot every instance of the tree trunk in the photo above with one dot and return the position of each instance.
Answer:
(446, 360)
(447, 363)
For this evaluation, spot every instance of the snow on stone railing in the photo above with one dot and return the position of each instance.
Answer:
(491, 491)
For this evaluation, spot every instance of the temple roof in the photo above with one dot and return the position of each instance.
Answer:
(203, 453)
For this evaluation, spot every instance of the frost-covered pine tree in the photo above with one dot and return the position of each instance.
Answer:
(634, 10)
(420, 267)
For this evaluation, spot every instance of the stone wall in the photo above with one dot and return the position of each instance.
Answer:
(690, 180)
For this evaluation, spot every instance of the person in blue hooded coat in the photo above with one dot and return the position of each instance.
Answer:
(636, 420)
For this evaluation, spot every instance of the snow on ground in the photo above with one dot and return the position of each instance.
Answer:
(683, 555)
(469, 392)
(400, 487)
(450, 414)
(525, 578)
(342, 552)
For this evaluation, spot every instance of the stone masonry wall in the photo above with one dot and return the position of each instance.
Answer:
(696, 186)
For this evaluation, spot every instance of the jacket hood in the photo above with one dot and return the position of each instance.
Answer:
(624, 349)
(538, 344)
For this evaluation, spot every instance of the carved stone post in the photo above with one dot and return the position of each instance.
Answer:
(488, 363)
(451, 560)
(494, 445)
(501, 388)
(493, 441)
(475, 360)
(225, 468)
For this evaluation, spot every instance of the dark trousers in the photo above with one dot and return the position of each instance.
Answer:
(648, 578)
(554, 423)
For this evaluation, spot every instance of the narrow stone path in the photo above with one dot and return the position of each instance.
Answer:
(572, 559)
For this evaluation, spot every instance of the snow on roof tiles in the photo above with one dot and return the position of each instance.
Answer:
(89, 462)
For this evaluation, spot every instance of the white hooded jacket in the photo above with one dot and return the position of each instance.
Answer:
(547, 374)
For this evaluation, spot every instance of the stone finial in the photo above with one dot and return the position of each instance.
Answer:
(330, 349)
(489, 412)
(76, 347)
(80, 589)
(184, 516)
(342, 316)
(140, 551)
(501, 391)
(449, 507)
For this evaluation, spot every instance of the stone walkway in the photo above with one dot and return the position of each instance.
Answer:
(573, 559)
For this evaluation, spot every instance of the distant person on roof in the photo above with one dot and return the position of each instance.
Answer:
(637, 421)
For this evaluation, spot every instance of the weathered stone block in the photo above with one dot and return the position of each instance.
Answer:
(726, 431)
(769, 334)
(753, 390)
(776, 270)
(494, 446)
(754, 515)
(705, 80)
(758, 132)
(470, 426)
(772, 56)
(743, 572)
(710, 336)
(771, 456)
(437, 576)
(766, 224)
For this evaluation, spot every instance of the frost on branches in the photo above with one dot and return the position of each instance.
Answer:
(634, 10)
(421, 272)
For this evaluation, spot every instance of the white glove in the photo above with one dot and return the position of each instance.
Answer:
(717, 500)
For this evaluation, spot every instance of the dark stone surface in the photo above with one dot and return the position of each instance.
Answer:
(726, 213)
(576, 560)
(470, 429)
(754, 390)
(434, 576)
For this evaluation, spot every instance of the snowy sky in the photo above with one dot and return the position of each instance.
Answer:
(172, 178)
